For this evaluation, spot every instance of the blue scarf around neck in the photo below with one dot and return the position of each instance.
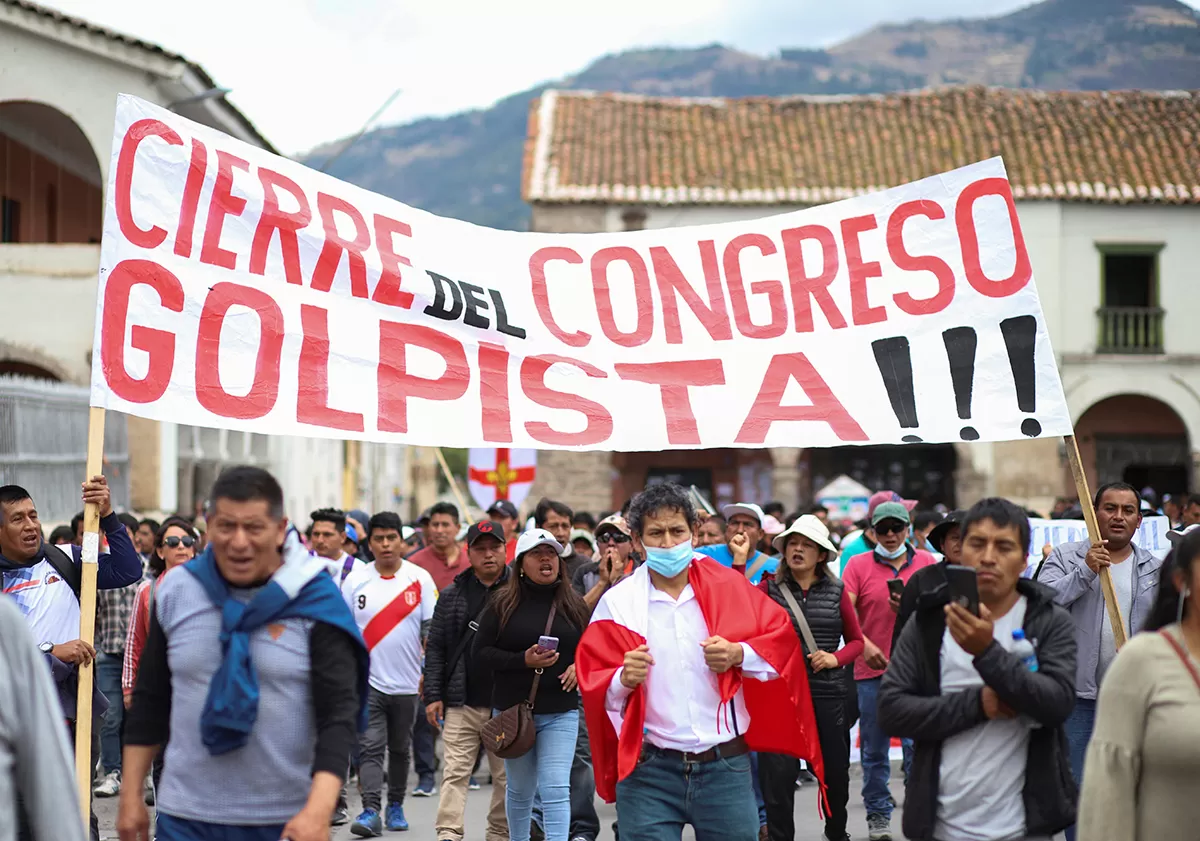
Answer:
(231, 707)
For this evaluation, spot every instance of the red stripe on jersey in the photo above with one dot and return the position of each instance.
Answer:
(392, 614)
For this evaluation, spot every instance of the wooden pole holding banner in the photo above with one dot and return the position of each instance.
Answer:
(1093, 528)
(87, 618)
(454, 488)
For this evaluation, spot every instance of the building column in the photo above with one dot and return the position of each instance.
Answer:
(582, 480)
(423, 479)
(974, 474)
(168, 466)
(785, 476)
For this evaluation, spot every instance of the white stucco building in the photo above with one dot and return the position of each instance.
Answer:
(59, 81)
(1107, 187)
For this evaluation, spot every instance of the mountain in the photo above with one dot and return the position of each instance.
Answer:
(468, 165)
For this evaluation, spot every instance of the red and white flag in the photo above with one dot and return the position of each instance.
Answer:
(501, 473)
(781, 711)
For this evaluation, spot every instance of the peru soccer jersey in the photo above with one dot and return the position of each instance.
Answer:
(389, 611)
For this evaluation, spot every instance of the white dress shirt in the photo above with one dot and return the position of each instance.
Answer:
(682, 700)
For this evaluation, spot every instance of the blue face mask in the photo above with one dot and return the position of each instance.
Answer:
(669, 562)
(891, 556)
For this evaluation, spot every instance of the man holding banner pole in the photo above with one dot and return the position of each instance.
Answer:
(45, 583)
(1073, 570)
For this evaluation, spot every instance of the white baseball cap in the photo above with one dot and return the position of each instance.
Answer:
(747, 508)
(534, 538)
(1176, 536)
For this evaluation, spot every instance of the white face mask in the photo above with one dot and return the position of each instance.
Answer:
(891, 556)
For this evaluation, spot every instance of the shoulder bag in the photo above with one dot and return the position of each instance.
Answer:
(806, 632)
(511, 733)
(1183, 655)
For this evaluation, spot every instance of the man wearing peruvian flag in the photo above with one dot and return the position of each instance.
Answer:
(685, 669)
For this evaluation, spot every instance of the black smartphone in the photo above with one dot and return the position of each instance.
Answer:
(895, 586)
(964, 590)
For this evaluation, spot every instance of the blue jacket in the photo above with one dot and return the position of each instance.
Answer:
(1077, 589)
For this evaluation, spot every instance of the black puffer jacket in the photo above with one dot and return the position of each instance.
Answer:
(822, 607)
(446, 681)
(911, 706)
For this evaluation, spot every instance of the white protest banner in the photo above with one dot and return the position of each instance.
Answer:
(242, 290)
(1151, 535)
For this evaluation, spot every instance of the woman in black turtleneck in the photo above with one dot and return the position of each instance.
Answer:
(507, 643)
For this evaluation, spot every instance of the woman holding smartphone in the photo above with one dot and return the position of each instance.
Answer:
(513, 641)
(822, 616)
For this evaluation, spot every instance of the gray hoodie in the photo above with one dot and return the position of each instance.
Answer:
(35, 757)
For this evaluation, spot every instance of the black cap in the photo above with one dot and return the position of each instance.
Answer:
(954, 518)
(485, 529)
(504, 508)
(424, 518)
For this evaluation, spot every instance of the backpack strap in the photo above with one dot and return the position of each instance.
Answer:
(65, 566)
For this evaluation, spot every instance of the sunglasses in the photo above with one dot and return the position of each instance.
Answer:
(175, 542)
(891, 527)
(613, 538)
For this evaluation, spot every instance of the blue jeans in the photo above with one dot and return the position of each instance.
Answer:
(170, 828)
(108, 681)
(545, 772)
(663, 794)
(1079, 726)
(876, 765)
(758, 793)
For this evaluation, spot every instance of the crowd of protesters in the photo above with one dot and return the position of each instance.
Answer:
(695, 667)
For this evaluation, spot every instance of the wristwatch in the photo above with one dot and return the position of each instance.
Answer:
(46, 647)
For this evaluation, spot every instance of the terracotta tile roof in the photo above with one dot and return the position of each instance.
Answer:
(1112, 147)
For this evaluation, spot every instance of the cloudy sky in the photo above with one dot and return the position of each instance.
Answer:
(309, 71)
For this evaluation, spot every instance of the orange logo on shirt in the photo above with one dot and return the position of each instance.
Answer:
(276, 631)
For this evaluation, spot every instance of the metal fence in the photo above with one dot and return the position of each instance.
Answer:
(43, 445)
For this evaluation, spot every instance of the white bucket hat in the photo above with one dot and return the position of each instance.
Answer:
(811, 527)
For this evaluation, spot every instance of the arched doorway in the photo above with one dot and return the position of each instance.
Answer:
(51, 190)
(1136, 439)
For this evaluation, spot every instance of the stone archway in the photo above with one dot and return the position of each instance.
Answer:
(1138, 439)
(21, 361)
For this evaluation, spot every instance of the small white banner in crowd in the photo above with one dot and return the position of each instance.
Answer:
(242, 290)
(1151, 536)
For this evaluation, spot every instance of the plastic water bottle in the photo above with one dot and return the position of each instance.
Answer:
(1024, 650)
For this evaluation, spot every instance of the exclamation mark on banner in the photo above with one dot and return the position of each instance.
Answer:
(1020, 337)
(895, 366)
(960, 351)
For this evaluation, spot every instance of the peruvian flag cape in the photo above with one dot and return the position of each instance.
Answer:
(781, 711)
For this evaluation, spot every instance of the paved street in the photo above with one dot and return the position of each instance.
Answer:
(421, 812)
